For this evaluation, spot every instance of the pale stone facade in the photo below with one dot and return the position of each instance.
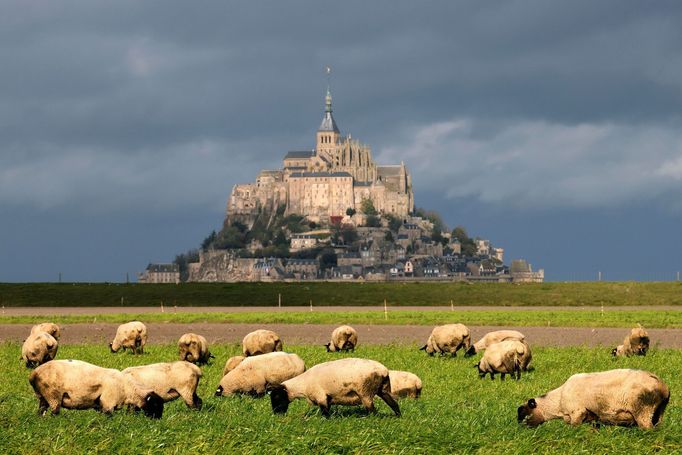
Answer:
(323, 183)
(160, 273)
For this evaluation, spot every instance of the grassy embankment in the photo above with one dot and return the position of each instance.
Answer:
(458, 413)
(341, 294)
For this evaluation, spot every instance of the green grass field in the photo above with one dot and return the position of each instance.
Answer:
(458, 413)
(587, 317)
(340, 294)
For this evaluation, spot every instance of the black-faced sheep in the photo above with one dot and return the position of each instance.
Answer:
(348, 382)
(261, 342)
(194, 348)
(39, 348)
(47, 327)
(636, 343)
(344, 338)
(232, 363)
(254, 375)
(491, 338)
(505, 357)
(405, 384)
(617, 397)
(73, 384)
(132, 335)
(170, 380)
(447, 338)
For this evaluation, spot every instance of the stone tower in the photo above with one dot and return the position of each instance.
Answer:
(328, 134)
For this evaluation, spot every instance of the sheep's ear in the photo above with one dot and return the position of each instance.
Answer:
(532, 403)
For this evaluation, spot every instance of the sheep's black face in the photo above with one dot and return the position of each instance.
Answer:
(111, 347)
(153, 406)
(327, 346)
(279, 399)
(471, 351)
(614, 352)
(219, 391)
(529, 414)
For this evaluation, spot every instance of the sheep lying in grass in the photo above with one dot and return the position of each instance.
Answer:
(447, 338)
(194, 348)
(636, 343)
(405, 384)
(347, 382)
(232, 363)
(255, 374)
(47, 327)
(132, 335)
(73, 384)
(170, 380)
(491, 338)
(261, 342)
(616, 397)
(505, 357)
(344, 338)
(38, 348)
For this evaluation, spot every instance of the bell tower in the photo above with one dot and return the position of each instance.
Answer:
(328, 133)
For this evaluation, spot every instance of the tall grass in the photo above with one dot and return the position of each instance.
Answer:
(458, 413)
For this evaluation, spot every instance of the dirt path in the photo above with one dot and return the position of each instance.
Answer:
(319, 333)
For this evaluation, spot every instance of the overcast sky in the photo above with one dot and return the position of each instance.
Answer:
(552, 128)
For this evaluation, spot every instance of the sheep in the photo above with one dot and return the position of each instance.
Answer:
(636, 343)
(132, 335)
(347, 382)
(194, 348)
(232, 363)
(491, 338)
(255, 374)
(447, 338)
(170, 380)
(505, 357)
(47, 327)
(405, 384)
(617, 397)
(38, 348)
(344, 338)
(261, 342)
(73, 384)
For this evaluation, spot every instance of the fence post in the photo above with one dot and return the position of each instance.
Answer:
(385, 310)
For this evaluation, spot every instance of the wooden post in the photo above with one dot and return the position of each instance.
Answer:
(279, 300)
(385, 310)
(162, 306)
(602, 309)
(452, 305)
(311, 306)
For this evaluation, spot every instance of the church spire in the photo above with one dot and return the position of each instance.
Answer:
(328, 123)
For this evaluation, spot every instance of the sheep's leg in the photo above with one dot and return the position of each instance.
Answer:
(644, 419)
(324, 407)
(368, 403)
(492, 376)
(42, 405)
(502, 377)
(578, 417)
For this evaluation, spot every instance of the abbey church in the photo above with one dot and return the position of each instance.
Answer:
(321, 184)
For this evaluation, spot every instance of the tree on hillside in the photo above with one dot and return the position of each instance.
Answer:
(373, 221)
(367, 207)
(468, 244)
(350, 212)
(208, 241)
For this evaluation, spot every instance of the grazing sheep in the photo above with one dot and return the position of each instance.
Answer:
(170, 380)
(344, 338)
(505, 357)
(47, 327)
(636, 343)
(616, 397)
(447, 338)
(347, 382)
(255, 374)
(405, 384)
(132, 335)
(73, 384)
(491, 338)
(261, 342)
(38, 348)
(194, 348)
(232, 363)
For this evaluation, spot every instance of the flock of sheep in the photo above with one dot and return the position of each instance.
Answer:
(620, 397)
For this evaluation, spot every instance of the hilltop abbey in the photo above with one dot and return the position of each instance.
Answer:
(323, 183)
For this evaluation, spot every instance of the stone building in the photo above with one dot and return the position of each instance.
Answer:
(160, 273)
(338, 174)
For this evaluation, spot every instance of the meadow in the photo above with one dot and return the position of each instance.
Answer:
(457, 413)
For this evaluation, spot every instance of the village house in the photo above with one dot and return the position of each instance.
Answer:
(160, 273)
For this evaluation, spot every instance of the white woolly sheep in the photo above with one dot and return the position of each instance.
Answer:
(636, 343)
(347, 382)
(254, 375)
(505, 357)
(491, 338)
(194, 348)
(170, 380)
(232, 363)
(261, 342)
(344, 338)
(47, 327)
(39, 348)
(616, 397)
(405, 384)
(132, 335)
(73, 384)
(447, 338)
